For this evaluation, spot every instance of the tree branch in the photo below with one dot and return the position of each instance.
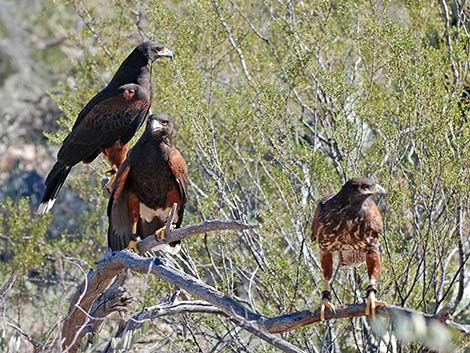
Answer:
(161, 310)
(189, 231)
(113, 299)
(218, 302)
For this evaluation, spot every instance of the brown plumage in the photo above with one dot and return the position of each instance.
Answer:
(109, 120)
(349, 223)
(151, 179)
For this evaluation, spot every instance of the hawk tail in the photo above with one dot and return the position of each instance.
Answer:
(351, 257)
(120, 227)
(54, 182)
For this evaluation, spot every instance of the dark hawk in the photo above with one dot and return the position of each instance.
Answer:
(151, 179)
(109, 120)
(349, 222)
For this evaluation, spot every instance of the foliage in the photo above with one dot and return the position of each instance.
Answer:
(276, 105)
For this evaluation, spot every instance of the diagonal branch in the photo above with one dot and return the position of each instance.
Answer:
(189, 231)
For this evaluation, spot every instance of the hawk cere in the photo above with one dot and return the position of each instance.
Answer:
(349, 223)
(109, 120)
(151, 179)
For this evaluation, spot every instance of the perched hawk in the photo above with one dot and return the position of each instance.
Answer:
(350, 222)
(109, 120)
(151, 179)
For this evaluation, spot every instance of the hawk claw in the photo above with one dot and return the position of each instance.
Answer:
(160, 234)
(372, 303)
(132, 246)
(112, 172)
(326, 304)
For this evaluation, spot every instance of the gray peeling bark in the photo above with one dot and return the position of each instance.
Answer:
(259, 325)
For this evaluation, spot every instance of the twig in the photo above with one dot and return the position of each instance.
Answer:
(448, 41)
(161, 310)
(228, 30)
(87, 20)
(38, 346)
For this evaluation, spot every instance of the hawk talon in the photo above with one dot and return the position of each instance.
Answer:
(160, 234)
(132, 246)
(373, 303)
(326, 304)
(112, 172)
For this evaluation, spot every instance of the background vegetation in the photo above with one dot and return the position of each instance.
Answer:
(276, 105)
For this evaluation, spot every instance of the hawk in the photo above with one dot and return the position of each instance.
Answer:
(151, 179)
(109, 120)
(349, 222)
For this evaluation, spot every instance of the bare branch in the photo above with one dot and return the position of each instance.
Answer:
(87, 20)
(445, 10)
(228, 30)
(113, 299)
(182, 233)
(302, 318)
(215, 301)
(259, 325)
(38, 346)
(161, 310)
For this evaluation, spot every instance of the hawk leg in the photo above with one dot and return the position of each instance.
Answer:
(132, 246)
(372, 301)
(326, 259)
(326, 301)
(374, 266)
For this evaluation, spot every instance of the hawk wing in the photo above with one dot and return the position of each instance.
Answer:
(317, 218)
(179, 168)
(102, 122)
(120, 227)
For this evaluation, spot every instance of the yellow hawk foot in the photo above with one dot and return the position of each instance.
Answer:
(160, 234)
(132, 246)
(373, 303)
(111, 172)
(108, 181)
(326, 304)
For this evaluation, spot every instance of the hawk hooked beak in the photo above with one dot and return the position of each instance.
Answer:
(155, 125)
(377, 189)
(165, 52)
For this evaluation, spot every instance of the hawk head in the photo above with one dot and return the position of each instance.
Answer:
(159, 126)
(360, 189)
(151, 50)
